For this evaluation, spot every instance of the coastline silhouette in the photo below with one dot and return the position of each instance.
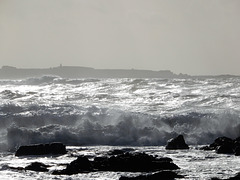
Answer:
(82, 72)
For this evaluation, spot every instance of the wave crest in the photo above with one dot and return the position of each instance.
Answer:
(122, 128)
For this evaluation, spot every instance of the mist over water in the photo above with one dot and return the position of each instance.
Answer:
(117, 111)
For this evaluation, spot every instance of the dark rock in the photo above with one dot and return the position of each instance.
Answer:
(120, 151)
(207, 148)
(224, 145)
(4, 167)
(116, 152)
(237, 177)
(164, 175)
(237, 151)
(237, 140)
(37, 166)
(56, 148)
(177, 143)
(139, 162)
(80, 165)
(221, 141)
(225, 149)
(237, 146)
(101, 163)
(41, 149)
(126, 162)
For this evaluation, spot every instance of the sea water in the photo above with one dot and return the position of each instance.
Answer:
(92, 116)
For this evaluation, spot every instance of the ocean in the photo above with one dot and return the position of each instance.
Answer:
(93, 116)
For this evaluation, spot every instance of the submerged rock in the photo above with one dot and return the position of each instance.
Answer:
(236, 177)
(37, 166)
(41, 149)
(207, 148)
(120, 151)
(80, 165)
(124, 162)
(177, 143)
(166, 175)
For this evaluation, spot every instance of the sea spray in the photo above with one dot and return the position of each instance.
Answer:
(118, 111)
(128, 129)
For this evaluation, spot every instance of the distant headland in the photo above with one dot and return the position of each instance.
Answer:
(9, 72)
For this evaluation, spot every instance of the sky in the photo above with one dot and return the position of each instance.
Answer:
(197, 37)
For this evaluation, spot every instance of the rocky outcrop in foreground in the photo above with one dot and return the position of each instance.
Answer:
(41, 149)
(125, 162)
(225, 145)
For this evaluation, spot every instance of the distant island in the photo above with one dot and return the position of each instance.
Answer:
(10, 72)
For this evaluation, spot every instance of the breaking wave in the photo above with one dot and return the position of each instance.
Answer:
(120, 128)
(117, 111)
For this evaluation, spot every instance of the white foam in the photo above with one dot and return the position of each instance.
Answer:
(118, 111)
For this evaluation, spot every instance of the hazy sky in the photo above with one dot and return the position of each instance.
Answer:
(184, 36)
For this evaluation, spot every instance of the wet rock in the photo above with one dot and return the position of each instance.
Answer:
(138, 162)
(177, 143)
(116, 152)
(237, 151)
(237, 141)
(207, 148)
(221, 141)
(124, 162)
(225, 149)
(41, 149)
(80, 165)
(225, 145)
(5, 167)
(237, 146)
(37, 166)
(166, 175)
(120, 151)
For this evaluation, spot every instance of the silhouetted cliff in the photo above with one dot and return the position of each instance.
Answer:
(8, 72)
